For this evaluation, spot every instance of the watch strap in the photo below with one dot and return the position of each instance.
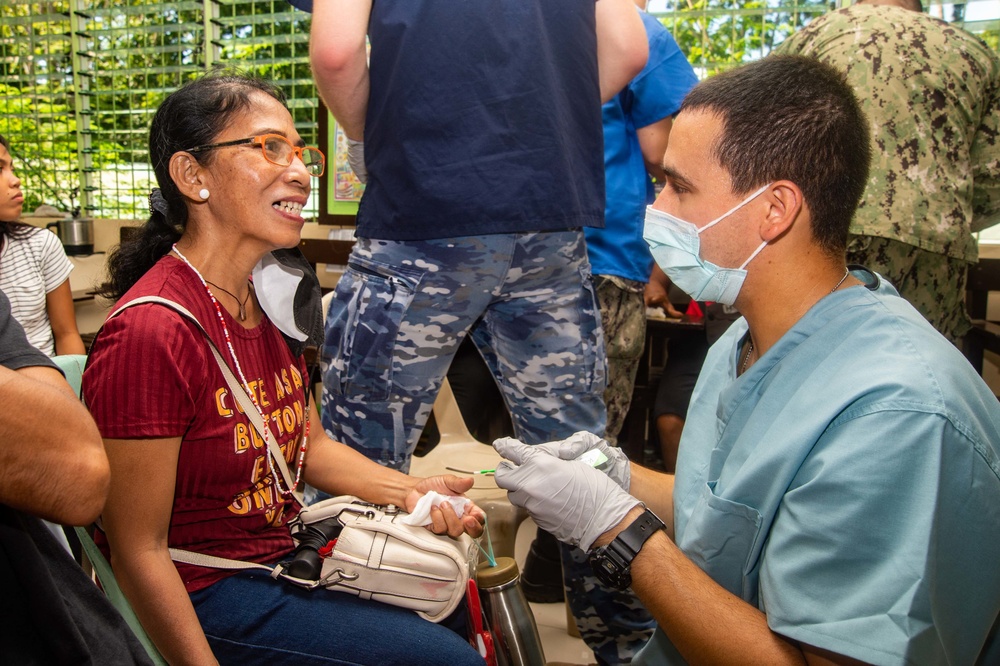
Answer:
(613, 563)
(635, 535)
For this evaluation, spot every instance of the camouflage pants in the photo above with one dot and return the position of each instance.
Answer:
(623, 317)
(402, 308)
(613, 623)
(933, 283)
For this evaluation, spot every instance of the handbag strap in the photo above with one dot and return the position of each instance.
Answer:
(213, 562)
(235, 388)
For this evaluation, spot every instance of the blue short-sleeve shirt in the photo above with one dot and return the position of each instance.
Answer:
(654, 94)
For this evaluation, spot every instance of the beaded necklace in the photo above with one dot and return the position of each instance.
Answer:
(246, 387)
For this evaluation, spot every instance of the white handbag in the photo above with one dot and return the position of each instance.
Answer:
(373, 555)
(378, 557)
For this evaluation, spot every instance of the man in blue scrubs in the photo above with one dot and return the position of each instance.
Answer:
(837, 496)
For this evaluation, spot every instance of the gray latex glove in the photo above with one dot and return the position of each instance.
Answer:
(617, 466)
(567, 498)
(356, 158)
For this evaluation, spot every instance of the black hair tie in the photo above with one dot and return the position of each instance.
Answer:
(158, 203)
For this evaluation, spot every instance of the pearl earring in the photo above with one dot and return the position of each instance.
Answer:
(204, 194)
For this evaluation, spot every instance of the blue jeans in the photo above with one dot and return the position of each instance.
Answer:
(402, 308)
(250, 618)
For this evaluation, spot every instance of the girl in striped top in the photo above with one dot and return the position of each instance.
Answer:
(34, 272)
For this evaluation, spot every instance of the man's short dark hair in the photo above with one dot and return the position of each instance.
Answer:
(792, 118)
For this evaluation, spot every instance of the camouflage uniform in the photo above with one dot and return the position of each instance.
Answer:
(933, 283)
(402, 308)
(623, 317)
(931, 92)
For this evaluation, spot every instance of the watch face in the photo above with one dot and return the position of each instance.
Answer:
(612, 564)
(610, 572)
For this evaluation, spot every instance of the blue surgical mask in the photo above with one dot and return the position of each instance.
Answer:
(675, 244)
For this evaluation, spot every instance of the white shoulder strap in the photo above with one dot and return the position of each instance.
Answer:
(235, 388)
(212, 562)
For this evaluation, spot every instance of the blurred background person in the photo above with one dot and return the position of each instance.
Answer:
(34, 271)
(931, 92)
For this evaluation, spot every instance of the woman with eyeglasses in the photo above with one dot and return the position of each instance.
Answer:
(188, 469)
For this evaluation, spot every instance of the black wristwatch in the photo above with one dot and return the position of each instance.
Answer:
(613, 563)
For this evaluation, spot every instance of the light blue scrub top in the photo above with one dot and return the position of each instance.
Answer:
(848, 485)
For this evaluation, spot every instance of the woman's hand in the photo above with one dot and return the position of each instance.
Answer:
(444, 520)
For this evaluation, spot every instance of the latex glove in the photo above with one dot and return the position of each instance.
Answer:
(356, 158)
(567, 498)
(617, 467)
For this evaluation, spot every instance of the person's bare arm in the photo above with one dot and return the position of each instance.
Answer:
(653, 139)
(656, 491)
(338, 469)
(622, 47)
(338, 54)
(137, 520)
(704, 621)
(657, 293)
(52, 461)
(62, 318)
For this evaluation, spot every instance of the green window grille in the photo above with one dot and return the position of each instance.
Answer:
(80, 79)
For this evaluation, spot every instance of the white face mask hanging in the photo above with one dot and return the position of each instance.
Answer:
(676, 245)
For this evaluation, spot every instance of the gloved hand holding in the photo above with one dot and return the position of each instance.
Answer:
(617, 466)
(356, 158)
(568, 498)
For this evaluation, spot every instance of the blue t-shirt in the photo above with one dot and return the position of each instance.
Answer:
(654, 94)
(847, 485)
(482, 119)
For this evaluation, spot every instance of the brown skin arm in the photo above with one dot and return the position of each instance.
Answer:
(137, 520)
(657, 293)
(52, 464)
(340, 470)
(653, 141)
(62, 318)
(706, 623)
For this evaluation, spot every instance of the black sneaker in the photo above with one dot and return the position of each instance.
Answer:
(541, 579)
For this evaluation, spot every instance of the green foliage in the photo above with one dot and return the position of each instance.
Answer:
(77, 90)
(719, 34)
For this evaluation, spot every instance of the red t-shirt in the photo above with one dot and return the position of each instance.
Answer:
(151, 375)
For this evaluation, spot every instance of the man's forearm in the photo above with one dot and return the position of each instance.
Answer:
(52, 460)
(656, 491)
(705, 622)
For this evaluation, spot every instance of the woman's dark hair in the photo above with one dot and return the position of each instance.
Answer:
(192, 115)
(10, 228)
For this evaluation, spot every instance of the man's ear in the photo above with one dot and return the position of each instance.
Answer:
(188, 174)
(784, 205)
